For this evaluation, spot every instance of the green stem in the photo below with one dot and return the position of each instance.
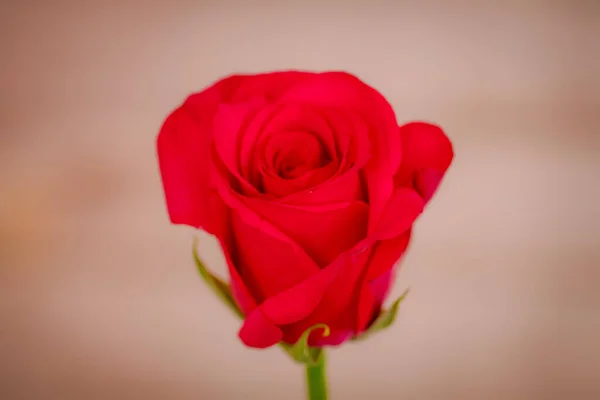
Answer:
(316, 379)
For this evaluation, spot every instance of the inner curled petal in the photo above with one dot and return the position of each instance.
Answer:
(291, 162)
(274, 143)
(292, 154)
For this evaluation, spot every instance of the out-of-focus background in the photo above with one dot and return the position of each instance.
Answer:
(99, 298)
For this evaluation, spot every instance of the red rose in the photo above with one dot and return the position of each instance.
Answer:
(310, 187)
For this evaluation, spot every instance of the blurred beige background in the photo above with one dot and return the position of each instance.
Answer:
(99, 298)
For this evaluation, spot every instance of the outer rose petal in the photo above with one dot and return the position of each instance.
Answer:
(425, 146)
(381, 286)
(300, 301)
(183, 165)
(378, 278)
(241, 294)
(323, 231)
(427, 154)
(257, 331)
(367, 308)
(183, 147)
(402, 210)
(427, 182)
(386, 255)
(223, 232)
(267, 264)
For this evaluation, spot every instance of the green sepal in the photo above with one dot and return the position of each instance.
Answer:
(384, 320)
(218, 286)
(301, 351)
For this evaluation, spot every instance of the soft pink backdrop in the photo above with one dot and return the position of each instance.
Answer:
(99, 298)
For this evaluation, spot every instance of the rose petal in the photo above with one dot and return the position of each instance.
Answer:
(282, 188)
(184, 153)
(427, 155)
(352, 134)
(241, 293)
(223, 232)
(348, 186)
(292, 154)
(425, 146)
(386, 254)
(257, 331)
(427, 182)
(229, 124)
(402, 210)
(301, 300)
(183, 147)
(251, 138)
(267, 264)
(239, 290)
(371, 300)
(299, 117)
(381, 286)
(366, 309)
(323, 231)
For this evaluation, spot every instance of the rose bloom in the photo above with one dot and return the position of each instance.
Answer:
(310, 187)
